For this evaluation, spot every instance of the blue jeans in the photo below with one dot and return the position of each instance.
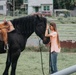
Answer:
(53, 62)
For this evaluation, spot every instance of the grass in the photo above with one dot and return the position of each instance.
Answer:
(62, 20)
(58, 20)
(29, 63)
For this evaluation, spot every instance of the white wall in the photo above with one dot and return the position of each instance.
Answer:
(30, 10)
(32, 3)
(3, 3)
(38, 3)
(46, 1)
(51, 9)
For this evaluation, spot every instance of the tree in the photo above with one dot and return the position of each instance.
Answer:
(55, 4)
(64, 4)
(17, 3)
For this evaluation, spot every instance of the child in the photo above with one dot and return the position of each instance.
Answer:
(55, 46)
(4, 27)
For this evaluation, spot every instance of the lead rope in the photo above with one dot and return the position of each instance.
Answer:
(49, 59)
(41, 57)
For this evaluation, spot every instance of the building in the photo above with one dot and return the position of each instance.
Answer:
(3, 8)
(29, 6)
(32, 6)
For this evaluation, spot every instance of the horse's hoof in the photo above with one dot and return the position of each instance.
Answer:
(5, 73)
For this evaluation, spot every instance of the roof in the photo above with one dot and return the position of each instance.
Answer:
(39, 2)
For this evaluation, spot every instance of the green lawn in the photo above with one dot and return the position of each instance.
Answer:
(30, 63)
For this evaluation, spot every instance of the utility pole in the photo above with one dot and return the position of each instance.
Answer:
(13, 7)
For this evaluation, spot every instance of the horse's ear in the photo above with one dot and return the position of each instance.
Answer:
(38, 17)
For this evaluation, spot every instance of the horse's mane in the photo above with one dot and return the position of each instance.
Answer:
(24, 24)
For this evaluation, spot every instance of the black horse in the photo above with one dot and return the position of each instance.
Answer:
(17, 39)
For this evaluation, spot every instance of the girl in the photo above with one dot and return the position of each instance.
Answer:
(55, 46)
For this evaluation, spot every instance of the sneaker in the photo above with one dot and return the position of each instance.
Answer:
(6, 47)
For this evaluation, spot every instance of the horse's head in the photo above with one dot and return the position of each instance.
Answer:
(40, 28)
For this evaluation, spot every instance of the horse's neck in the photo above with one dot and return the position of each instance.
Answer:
(24, 25)
(29, 26)
(28, 35)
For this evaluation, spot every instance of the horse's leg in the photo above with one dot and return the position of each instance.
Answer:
(14, 62)
(8, 62)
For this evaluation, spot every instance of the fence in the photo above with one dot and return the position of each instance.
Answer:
(66, 71)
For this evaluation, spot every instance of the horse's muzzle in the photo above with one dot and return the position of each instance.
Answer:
(46, 40)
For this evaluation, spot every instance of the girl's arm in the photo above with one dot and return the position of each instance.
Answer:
(46, 32)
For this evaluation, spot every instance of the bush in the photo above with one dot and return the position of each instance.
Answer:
(68, 50)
